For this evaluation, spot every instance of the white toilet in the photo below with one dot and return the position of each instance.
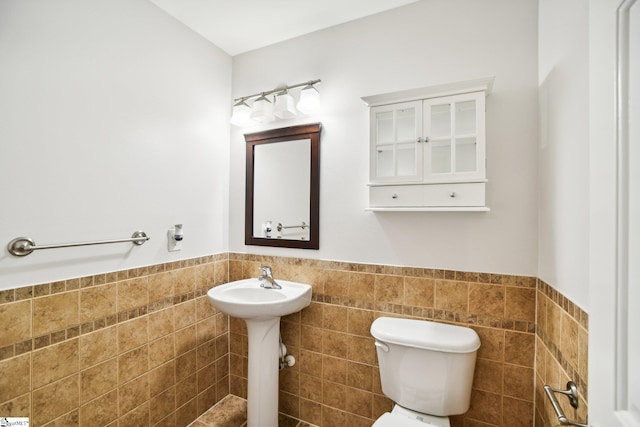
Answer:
(426, 368)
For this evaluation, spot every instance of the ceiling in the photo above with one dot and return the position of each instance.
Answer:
(238, 26)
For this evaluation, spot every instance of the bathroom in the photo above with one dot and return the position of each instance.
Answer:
(116, 119)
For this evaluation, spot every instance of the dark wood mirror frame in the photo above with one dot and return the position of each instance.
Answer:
(308, 131)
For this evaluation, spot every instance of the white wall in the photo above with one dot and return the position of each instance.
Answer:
(422, 44)
(563, 253)
(113, 118)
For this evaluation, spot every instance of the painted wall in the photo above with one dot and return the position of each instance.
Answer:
(114, 118)
(563, 252)
(422, 44)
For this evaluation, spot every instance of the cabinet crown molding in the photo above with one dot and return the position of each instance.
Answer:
(484, 84)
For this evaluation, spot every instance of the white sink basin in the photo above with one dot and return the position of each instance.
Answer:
(247, 300)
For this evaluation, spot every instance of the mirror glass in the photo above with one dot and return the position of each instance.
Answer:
(282, 187)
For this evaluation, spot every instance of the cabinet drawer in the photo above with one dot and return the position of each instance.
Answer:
(396, 195)
(463, 194)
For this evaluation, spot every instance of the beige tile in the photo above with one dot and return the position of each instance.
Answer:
(185, 340)
(337, 284)
(185, 280)
(15, 322)
(185, 365)
(161, 286)
(492, 343)
(162, 377)
(188, 412)
(311, 387)
(97, 302)
(361, 349)
(162, 405)
(335, 318)
(362, 287)
(569, 340)
(70, 419)
(519, 348)
(133, 333)
(54, 362)
(312, 315)
(333, 417)
(97, 346)
(360, 376)
(518, 382)
(206, 330)
(334, 370)
(133, 293)
(334, 395)
(133, 394)
(185, 314)
(98, 380)
(101, 411)
(359, 402)
(389, 289)
(133, 364)
(335, 343)
(311, 363)
(360, 321)
(161, 351)
(517, 412)
(488, 376)
(311, 411)
(18, 407)
(15, 372)
(55, 399)
(486, 407)
(487, 299)
(419, 291)
(204, 308)
(452, 296)
(161, 323)
(55, 312)
(520, 304)
(137, 417)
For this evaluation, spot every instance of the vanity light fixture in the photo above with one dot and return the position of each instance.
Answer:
(276, 104)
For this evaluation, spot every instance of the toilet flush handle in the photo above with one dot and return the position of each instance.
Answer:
(382, 346)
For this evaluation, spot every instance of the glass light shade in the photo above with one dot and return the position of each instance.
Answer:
(285, 107)
(241, 113)
(262, 111)
(309, 99)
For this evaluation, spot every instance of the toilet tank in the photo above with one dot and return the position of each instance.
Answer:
(426, 366)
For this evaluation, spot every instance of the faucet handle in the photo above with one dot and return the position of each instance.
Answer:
(266, 270)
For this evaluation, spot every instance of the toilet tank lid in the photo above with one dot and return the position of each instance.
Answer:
(425, 334)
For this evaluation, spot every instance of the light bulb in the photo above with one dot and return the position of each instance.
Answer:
(285, 107)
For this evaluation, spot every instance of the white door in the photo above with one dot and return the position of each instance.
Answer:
(614, 271)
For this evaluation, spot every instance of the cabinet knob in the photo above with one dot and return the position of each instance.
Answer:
(452, 195)
(426, 139)
(419, 140)
(394, 196)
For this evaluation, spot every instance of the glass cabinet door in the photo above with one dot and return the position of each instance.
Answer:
(396, 149)
(454, 137)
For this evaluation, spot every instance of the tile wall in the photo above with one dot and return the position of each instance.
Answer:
(335, 382)
(140, 347)
(144, 346)
(561, 354)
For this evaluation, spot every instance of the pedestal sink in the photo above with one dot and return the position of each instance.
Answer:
(261, 309)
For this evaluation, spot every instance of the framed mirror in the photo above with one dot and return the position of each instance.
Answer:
(282, 197)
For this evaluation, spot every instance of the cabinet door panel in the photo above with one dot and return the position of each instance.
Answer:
(440, 119)
(441, 156)
(396, 152)
(466, 156)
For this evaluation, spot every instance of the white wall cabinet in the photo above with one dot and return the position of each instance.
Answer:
(427, 148)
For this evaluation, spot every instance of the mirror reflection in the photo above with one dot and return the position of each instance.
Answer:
(282, 187)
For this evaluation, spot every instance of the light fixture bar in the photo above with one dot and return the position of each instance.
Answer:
(279, 89)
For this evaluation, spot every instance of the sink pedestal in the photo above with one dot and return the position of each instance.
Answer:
(263, 389)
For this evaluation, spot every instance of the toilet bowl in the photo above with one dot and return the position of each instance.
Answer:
(426, 368)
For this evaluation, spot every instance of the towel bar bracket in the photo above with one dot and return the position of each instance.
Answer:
(572, 393)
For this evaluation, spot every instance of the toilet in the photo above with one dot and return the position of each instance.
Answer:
(426, 368)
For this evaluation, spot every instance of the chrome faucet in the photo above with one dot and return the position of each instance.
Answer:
(266, 278)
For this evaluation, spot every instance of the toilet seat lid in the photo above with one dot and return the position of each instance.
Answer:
(392, 420)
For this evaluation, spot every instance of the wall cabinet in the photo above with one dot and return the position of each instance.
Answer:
(427, 148)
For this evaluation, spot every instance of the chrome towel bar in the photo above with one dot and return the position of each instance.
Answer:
(23, 246)
(572, 394)
(282, 227)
